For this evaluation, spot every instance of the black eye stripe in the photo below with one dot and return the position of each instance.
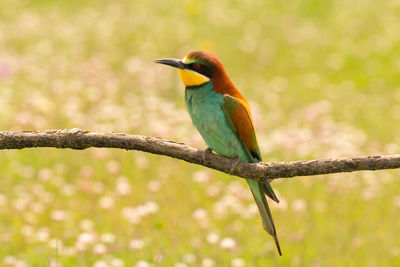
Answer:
(201, 68)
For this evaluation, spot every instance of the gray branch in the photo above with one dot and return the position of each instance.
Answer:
(81, 139)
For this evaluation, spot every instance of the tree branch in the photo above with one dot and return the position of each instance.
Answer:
(81, 139)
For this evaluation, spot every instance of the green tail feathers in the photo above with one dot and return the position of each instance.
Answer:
(259, 189)
(269, 192)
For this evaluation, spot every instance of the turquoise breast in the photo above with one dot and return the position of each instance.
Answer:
(204, 106)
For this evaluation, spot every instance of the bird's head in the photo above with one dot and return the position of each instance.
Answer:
(196, 68)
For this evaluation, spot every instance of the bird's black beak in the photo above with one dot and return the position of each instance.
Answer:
(177, 63)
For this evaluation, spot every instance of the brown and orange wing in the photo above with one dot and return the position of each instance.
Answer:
(237, 113)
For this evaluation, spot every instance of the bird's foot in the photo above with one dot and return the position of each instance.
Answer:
(232, 165)
(206, 152)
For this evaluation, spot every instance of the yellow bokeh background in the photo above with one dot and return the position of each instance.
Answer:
(322, 79)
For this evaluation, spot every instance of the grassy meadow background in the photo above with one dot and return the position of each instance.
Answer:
(322, 78)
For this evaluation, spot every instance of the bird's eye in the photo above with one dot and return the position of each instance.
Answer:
(196, 66)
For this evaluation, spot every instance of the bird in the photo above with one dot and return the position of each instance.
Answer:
(222, 116)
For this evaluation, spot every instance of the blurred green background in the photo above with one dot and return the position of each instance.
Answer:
(322, 78)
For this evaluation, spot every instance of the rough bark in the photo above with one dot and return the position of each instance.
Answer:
(81, 139)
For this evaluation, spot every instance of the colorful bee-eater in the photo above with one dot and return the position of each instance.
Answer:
(222, 116)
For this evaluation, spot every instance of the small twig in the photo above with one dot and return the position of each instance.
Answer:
(80, 139)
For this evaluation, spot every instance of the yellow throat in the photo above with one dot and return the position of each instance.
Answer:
(192, 78)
